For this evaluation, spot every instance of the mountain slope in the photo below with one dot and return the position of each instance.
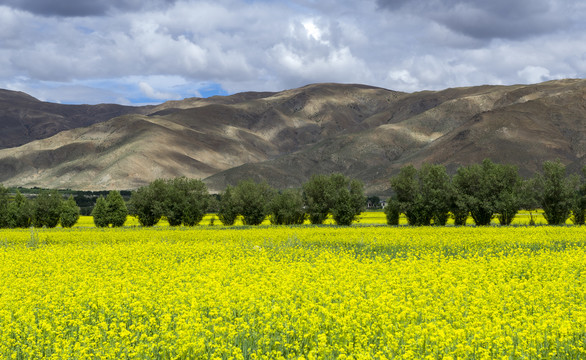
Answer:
(194, 137)
(24, 119)
(364, 132)
(522, 125)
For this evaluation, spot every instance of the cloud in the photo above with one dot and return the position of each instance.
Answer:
(534, 74)
(73, 93)
(185, 47)
(151, 93)
(483, 19)
(137, 90)
(68, 8)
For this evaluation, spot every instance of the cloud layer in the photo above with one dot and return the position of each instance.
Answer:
(133, 51)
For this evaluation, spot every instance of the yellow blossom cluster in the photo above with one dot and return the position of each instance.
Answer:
(293, 293)
(365, 218)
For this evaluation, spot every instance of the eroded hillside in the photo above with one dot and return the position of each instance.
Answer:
(364, 132)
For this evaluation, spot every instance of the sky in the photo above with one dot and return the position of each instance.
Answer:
(136, 52)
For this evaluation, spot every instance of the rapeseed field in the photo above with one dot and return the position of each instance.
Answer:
(370, 292)
(365, 218)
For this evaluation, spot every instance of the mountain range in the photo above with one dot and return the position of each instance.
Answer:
(284, 137)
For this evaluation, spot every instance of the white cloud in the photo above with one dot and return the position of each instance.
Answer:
(149, 92)
(534, 74)
(175, 48)
(402, 79)
(313, 31)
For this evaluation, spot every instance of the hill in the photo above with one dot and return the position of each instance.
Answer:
(362, 131)
(24, 118)
(523, 125)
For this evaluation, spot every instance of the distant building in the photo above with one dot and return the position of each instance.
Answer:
(372, 204)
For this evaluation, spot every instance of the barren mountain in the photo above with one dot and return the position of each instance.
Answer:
(193, 137)
(523, 125)
(364, 132)
(24, 118)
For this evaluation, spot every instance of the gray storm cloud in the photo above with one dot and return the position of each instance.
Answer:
(490, 19)
(67, 8)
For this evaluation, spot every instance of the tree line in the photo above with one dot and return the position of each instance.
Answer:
(185, 201)
(429, 196)
(47, 209)
(426, 196)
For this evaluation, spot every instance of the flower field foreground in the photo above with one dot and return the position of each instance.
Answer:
(294, 293)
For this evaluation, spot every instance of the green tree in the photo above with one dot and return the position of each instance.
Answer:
(489, 189)
(579, 205)
(116, 210)
(213, 204)
(407, 189)
(459, 209)
(21, 211)
(186, 201)
(196, 202)
(393, 211)
(555, 192)
(347, 199)
(147, 203)
(47, 208)
(228, 211)
(100, 213)
(336, 194)
(471, 184)
(507, 206)
(286, 208)
(173, 204)
(343, 211)
(509, 188)
(436, 191)
(423, 195)
(69, 213)
(317, 198)
(253, 199)
(5, 218)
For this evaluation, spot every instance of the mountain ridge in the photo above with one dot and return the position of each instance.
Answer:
(283, 137)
